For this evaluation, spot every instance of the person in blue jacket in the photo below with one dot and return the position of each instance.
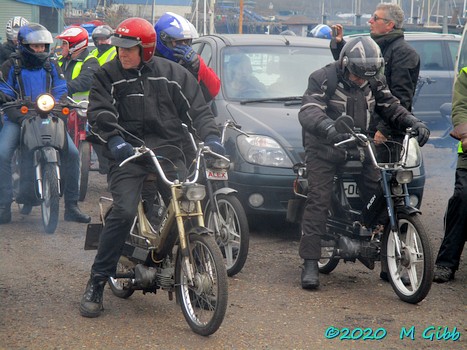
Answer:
(31, 72)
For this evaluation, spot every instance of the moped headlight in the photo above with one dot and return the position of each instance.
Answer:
(45, 103)
(194, 192)
(263, 150)
(404, 176)
(217, 163)
(414, 156)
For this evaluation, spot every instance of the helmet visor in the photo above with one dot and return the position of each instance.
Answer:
(125, 42)
(366, 68)
(38, 37)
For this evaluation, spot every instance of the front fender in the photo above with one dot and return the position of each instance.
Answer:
(407, 210)
(200, 230)
(48, 155)
(223, 190)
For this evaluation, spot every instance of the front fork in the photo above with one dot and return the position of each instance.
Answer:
(183, 238)
(41, 156)
(391, 211)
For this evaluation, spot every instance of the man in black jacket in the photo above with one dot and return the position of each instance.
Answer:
(402, 62)
(361, 92)
(151, 96)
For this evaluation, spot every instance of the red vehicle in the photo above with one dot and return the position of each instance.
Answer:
(77, 126)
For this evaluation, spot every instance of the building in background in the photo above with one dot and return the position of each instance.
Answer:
(49, 13)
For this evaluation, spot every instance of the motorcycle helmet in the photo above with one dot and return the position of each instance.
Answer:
(322, 31)
(172, 27)
(362, 57)
(136, 31)
(34, 33)
(102, 32)
(13, 25)
(77, 38)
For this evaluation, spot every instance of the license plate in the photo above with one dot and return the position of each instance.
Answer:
(216, 174)
(351, 189)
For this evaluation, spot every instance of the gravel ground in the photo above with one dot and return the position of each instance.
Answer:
(43, 277)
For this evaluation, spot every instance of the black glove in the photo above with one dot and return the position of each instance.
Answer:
(14, 114)
(214, 143)
(335, 137)
(423, 133)
(120, 149)
(187, 56)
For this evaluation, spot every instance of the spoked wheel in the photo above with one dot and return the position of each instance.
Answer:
(327, 263)
(121, 287)
(84, 165)
(230, 226)
(203, 300)
(50, 188)
(414, 263)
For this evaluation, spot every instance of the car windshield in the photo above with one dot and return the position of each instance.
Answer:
(269, 72)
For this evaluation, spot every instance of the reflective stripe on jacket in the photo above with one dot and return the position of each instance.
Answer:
(106, 56)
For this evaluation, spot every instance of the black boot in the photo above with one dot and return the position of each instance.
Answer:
(310, 274)
(5, 213)
(92, 301)
(72, 213)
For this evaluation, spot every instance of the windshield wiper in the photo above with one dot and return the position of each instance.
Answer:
(288, 100)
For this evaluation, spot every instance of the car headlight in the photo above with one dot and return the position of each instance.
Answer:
(414, 157)
(262, 150)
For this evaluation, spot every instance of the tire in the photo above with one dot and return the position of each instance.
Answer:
(204, 302)
(327, 263)
(230, 226)
(84, 165)
(121, 287)
(50, 204)
(416, 260)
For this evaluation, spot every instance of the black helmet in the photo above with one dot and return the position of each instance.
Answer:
(34, 33)
(102, 32)
(362, 57)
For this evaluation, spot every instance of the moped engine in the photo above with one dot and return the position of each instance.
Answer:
(348, 248)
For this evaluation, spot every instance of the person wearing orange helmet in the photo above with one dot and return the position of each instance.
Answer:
(78, 65)
(152, 97)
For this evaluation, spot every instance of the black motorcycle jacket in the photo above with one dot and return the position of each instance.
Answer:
(6, 49)
(151, 102)
(319, 110)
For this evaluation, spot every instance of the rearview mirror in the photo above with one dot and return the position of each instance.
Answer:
(446, 109)
(344, 124)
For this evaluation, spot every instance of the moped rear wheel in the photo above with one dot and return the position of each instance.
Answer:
(230, 226)
(84, 165)
(51, 194)
(415, 263)
(203, 300)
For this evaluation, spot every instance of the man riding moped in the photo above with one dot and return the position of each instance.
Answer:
(26, 75)
(361, 91)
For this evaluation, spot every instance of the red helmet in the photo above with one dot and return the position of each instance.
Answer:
(77, 38)
(136, 31)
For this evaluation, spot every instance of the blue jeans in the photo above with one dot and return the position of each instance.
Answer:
(9, 141)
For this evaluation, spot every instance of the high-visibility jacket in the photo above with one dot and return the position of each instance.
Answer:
(81, 95)
(106, 56)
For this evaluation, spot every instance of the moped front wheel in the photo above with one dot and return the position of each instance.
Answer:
(51, 195)
(84, 165)
(230, 227)
(409, 258)
(204, 299)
